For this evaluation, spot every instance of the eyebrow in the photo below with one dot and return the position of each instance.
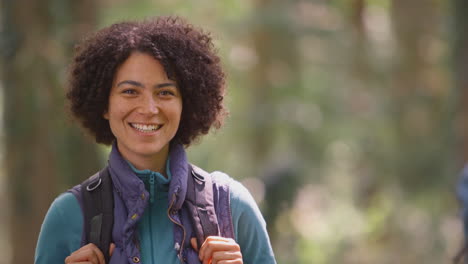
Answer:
(139, 84)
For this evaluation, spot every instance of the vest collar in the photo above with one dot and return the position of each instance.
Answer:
(130, 187)
(127, 184)
(179, 170)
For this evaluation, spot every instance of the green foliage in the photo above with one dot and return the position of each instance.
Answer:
(347, 132)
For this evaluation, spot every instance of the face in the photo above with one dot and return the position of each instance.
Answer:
(144, 110)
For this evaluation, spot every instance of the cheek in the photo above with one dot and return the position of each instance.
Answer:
(118, 110)
(175, 119)
(179, 113)
(176, 111)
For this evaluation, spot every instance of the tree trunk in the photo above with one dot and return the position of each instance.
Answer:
(275, 79)
(460, 63)
(44, 154)
(419, 114)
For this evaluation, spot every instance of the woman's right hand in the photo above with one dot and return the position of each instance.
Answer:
(89, 254)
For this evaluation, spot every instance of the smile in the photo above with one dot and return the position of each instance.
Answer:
(145, 128)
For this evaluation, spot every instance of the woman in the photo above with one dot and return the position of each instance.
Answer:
(150, 89)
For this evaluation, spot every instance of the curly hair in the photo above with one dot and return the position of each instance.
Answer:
(187, 55)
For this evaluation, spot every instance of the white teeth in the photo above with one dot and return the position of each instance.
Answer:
(145, 128)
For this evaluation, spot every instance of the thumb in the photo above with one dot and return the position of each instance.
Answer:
(111, 249)
(194, 243)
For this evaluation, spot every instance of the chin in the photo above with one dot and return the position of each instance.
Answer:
(150, 150)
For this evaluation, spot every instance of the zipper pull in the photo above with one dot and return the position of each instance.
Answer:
(151, 181)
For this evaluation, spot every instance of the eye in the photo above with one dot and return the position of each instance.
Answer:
(129, 91)
(166, 93)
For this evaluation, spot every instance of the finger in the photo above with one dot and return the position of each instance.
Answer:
(84, 248)
(99, 254)
(212, 239)
(194, 243)
(215, 244)
(226, 255)
(230, 261)
(219, 238)
(89, 253)
(218, 244)
(111, 249)
(84, 256)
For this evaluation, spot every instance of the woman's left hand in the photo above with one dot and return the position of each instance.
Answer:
(218, 250)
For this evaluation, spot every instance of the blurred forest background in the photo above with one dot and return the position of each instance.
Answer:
(349, 119)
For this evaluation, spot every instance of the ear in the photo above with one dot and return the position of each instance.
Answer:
(106, 115)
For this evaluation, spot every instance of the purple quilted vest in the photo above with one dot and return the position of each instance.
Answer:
(131, 199)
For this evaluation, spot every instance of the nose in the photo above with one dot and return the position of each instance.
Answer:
(148, 106)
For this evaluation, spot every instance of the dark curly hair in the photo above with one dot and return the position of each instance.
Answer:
(187, 55)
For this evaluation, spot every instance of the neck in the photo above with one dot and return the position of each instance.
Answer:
(150, 164)
(155, 163)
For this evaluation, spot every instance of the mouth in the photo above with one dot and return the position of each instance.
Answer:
(145, 128)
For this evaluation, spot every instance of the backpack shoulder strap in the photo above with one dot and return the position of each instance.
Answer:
(98, 210)
(200, 203)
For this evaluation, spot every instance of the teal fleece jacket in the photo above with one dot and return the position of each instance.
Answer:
(62, 227)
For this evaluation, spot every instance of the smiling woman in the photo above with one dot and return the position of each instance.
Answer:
(149, 89)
